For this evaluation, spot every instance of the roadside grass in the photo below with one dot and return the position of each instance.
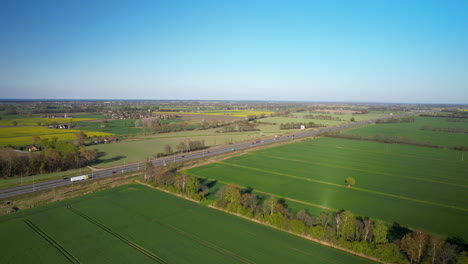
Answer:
(405, 184)
(172, 228)
(18, 181)
(413, 130)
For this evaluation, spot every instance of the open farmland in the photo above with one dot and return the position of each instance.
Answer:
(413, 130)
(416, 187)
(236, 113)
(20, 136)
(137, 224)
(42, 121)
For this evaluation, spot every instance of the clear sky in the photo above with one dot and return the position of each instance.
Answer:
(363, 51)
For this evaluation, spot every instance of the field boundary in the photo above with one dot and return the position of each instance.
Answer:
(302, 236)
(51, 241)
(353, 188)
(142, 250)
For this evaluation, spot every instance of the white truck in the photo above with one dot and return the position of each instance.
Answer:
(79, 178)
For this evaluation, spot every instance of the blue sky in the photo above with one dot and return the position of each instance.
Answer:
(362, 51)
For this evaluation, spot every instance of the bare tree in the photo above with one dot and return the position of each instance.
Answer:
(413, 244)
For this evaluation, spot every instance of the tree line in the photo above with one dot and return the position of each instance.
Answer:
(396, 120)
(183, 146)
(322, 117)
(344, 229)
(239, 126)
(298, 125)
(169, 178)
(444, 129)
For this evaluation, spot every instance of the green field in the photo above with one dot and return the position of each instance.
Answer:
(413, 130)
(416, 187)
(137, 224)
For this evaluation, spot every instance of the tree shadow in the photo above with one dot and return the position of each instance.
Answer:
(99, 158)
(397, 232)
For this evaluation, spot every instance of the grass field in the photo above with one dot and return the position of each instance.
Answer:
(117, 127)
(137, 224)
(20, 136)
(413, 130)
(414, 186)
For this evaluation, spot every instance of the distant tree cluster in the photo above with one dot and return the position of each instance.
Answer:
(323, 117)
(359, 234)
(384, 139)
(456, 120)
(183, 146)
(55, 156)
(298, 125)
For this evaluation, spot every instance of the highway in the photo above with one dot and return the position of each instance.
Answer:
(5, 193)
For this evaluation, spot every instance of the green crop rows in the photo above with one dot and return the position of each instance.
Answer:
(137, 224)
(413, 130)
(414, 186)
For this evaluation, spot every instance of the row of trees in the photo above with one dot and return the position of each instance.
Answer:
(241, 126)
(359, 234)
(384, 139)
(456, 120)
(183, 146)
(174, 181)
(323, 117)
(298, 125)
(55, 156)
(444, 129)
(396, 120)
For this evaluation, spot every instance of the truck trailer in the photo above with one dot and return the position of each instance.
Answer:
(79, 178)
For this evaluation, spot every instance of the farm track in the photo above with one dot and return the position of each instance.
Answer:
(142, 250)
(362, 170)
(354, 188)
(54, 243)
(205, 243)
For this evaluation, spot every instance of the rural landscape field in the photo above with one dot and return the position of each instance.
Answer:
(262, 132)
(115, 226)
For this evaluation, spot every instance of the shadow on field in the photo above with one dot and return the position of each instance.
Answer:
(99, 158)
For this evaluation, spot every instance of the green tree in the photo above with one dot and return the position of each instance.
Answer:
(350, 181)
(193, 185)
(232, 194)
(14, 123)
(379, 233)
(352, 119)
(347, 225)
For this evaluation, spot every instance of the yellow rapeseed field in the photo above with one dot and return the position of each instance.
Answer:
(43, 121)
(20, 136)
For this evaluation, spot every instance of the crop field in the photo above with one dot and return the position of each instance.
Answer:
(118, 127)
(21, 136)
(413, 130)
(43, 121)
(414, 186)
(237, 113)
(137, 224)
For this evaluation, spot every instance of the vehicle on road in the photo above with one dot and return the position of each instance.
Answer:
(79, 178)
